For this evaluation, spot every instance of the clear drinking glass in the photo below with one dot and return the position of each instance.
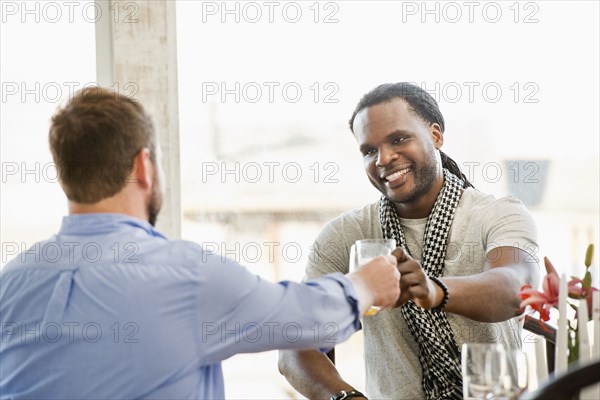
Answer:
(365, 250)
(517, 374)
(484, 370)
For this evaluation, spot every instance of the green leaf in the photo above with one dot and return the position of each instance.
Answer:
(587, 281)
(588, 255)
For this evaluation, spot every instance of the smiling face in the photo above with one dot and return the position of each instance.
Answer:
(400, 155)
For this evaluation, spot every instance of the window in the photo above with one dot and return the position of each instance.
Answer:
(266, 92)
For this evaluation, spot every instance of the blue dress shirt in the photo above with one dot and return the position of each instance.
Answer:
(110, 309)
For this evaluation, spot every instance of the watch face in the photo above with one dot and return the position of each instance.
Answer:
(339, 395)
(346, 395)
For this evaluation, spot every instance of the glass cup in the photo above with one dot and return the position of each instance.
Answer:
(484, 370)
(517, 374)
(364, 251)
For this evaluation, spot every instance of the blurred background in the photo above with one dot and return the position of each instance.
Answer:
(265, 91)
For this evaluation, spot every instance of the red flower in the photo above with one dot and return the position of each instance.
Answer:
(543, 301)
(539, 301)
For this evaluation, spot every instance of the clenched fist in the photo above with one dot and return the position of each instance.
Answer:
(415, 284)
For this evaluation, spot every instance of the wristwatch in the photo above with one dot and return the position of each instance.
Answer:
(347, 395)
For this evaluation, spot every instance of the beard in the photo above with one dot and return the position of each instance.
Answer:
(424, 176)
(154, 203)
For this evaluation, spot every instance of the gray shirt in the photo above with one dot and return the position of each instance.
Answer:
(481, 223)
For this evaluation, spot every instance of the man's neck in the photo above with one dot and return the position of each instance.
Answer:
(116, 205)
(422, 206)
(410, 211)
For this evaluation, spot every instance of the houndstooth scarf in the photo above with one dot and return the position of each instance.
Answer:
(438, 353)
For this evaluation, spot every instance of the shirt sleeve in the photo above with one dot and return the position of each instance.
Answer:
(507, 222)
(240, 312)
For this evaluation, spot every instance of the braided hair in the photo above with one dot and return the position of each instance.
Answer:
(421, 103)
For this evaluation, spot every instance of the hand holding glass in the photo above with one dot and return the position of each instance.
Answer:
(364, 251)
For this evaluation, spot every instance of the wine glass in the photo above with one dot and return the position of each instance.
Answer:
(484, 370)
(517, 374)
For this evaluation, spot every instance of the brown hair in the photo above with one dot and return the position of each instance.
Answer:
(94, 139)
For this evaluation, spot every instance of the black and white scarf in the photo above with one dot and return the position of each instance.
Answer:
(438, 352)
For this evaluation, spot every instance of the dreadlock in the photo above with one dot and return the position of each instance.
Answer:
(421, 103)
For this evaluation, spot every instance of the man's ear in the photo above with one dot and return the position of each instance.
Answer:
(436, 136)
(143, 169)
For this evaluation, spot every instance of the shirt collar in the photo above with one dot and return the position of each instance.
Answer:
(98, 223)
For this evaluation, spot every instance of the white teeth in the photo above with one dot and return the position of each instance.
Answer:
(397, 175)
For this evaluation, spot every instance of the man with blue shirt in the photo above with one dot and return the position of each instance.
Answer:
(109, 308)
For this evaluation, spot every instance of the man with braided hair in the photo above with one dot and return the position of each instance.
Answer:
(465, 257)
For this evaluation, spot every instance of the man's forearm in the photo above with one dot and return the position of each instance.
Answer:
(491, 296)
(311, 373)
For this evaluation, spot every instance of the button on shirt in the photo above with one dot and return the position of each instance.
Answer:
(109, 308)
